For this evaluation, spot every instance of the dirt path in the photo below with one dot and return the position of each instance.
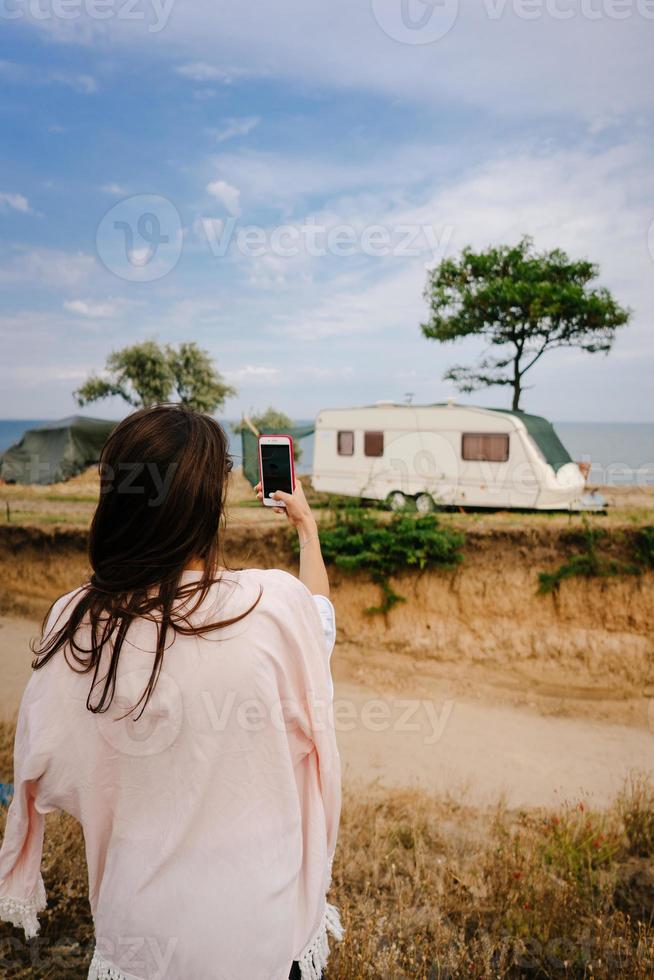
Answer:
(478, 752)
(431, 736)
(15, 660)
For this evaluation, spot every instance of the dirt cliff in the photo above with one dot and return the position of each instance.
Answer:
(594, 633)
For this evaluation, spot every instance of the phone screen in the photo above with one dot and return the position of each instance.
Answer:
(276, 468)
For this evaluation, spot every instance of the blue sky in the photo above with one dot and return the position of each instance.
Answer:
(323, 129)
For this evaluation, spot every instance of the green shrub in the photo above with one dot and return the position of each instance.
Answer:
(589, 563)
(358, 540)
(645, 545)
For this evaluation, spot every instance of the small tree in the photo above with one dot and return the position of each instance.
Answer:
(196, 381)
(523, 303)
(272, 419)
(148, 374)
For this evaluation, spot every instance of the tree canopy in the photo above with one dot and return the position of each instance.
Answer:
(148, 374)
(523, 303)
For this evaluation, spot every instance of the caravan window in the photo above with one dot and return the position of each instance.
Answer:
(373, 443)
(345, 443)
(487, 447)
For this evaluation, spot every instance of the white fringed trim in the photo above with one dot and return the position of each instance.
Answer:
(314, 958)
(312, 961)
(22, 912)
(100, 969)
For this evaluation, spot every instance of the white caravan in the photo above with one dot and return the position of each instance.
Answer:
(452, 455)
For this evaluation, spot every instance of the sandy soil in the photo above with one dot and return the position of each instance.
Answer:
(436, 732)
(15, 660)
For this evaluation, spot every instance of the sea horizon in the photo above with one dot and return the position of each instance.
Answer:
(620, 453)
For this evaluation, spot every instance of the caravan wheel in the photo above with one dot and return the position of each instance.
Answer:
(424, 503)
(397, 501)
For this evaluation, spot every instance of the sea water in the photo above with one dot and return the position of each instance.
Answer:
(620, 453)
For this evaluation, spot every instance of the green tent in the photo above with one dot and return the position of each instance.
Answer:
(250, 445)
(55, 451)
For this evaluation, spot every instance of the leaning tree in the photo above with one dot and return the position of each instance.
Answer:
(523, 303)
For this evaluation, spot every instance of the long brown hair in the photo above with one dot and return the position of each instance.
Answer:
(163, 483)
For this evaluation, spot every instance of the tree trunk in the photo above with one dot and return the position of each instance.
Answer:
(517, 385)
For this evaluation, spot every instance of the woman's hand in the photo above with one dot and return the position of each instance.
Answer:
(297, 509)
(312, 567)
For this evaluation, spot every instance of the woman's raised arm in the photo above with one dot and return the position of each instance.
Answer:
(312, 566)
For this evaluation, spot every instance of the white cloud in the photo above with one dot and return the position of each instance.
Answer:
(236, 127)
(48, 267)
(228, 195)
(89, 308)
(31, 326)
(114, 189)
(210, 232)
(201, 71)
(23, 74)
(286, 179)
(36, 374)
(490, 79)
(139, 256)
(313, 372)
(268, 270)
(17, 202)
(275, 272)
(350, 307)
(595, 205)
(79, 82)
(254, 373)
(576, 60)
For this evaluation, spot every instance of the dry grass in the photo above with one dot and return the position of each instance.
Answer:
(71, 504)
(430, 890)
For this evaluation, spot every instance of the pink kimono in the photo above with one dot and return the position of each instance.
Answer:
(210, 823)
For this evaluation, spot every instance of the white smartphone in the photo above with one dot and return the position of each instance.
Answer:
(276, 467)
